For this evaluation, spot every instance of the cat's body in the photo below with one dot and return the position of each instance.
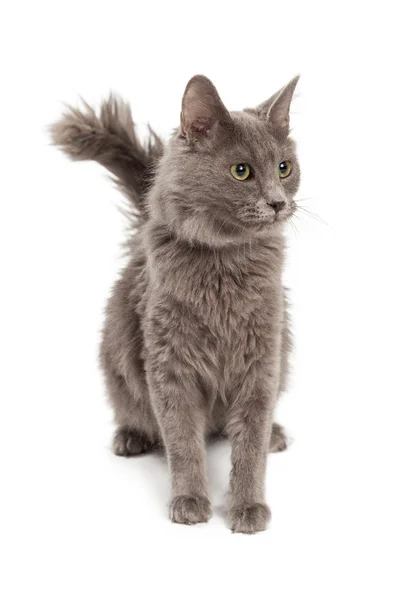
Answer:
(196, 338)
(215, 307)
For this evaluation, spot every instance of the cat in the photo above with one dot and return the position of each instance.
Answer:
(197, 337)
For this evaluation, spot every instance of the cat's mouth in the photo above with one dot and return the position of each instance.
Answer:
(268, 220)
(286, 213)
(267, 213)
(280, 217)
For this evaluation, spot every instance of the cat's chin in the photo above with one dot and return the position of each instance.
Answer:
(264, 226)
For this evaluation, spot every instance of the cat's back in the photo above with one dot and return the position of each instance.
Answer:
(125, 307)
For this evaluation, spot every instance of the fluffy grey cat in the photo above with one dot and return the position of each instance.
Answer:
(196, 338)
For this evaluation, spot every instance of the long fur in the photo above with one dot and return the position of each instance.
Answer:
(110, 139)
(196, 337)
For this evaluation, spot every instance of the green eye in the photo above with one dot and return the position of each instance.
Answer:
(241, 171)
(284, 168)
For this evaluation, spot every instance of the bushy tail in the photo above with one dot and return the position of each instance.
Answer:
(110, 139)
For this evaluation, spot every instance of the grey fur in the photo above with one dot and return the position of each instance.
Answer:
(196, 338)
(110, 139)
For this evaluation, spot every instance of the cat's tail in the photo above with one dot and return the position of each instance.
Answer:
(110, 139)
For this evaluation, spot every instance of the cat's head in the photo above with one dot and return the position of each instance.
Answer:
(227, 176)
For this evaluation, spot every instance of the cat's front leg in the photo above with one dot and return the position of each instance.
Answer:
(249, 427)
(179, 408)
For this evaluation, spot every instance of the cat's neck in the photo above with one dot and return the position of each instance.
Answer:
(240, 276)
(238, 256)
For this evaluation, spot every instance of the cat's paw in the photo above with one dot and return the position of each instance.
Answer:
(190, 510)
(279, 441)
(249, 518)
(129, 442)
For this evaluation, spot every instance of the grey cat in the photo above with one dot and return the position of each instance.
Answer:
(196, 338)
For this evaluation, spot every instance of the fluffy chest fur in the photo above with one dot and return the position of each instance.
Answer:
(214, 311)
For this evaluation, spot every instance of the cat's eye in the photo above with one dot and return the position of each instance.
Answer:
(284, 169)
(241, 171)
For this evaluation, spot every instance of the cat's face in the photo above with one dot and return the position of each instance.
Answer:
(228, 176)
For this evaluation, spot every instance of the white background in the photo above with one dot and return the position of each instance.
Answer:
(78, 522)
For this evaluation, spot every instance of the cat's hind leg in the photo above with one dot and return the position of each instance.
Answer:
(137, 430)
(131, 442)
(279, 440)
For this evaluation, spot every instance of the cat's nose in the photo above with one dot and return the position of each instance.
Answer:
(277, 205)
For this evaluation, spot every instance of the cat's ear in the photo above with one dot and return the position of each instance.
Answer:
(276, 110)
(202, 108)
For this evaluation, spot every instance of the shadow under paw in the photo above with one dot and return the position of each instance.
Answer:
(190, 510)
(249, 519)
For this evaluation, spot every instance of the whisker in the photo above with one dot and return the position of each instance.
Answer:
(312, 214)
(293, 226)
(297, 217)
